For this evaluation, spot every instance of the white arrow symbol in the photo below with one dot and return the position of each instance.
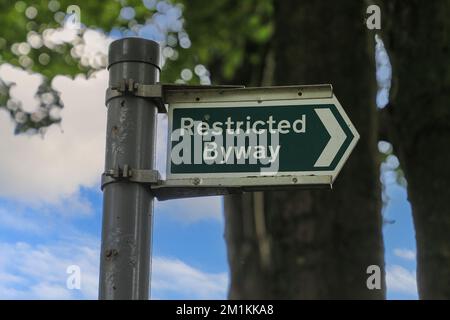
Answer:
(338, 137)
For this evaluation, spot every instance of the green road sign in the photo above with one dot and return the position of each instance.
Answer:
(247, 135)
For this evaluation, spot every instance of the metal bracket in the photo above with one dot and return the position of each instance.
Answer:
(146, 177)
(200, 187)
(156, 92)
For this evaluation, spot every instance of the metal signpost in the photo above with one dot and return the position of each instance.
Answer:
(130, 143)
(222, 140)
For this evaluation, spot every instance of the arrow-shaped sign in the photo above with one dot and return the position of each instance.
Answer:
(240, 135)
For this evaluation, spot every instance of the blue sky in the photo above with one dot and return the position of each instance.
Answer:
(50, 211)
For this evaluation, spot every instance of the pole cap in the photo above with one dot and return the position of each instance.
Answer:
(134, 50)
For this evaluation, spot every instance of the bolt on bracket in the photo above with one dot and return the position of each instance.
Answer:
(157, 92)
(145, 177)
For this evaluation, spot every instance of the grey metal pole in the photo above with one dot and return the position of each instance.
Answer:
(125, 260)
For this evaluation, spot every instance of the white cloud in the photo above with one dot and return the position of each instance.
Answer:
(401, 280)
(405, 254)
(36, 169)
(172, 276)
(47, 291)
(25, 85)
(39, 272)
(10, 278)
(192, 210)
(19, 222)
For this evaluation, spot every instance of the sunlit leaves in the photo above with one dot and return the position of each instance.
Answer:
(222, 30)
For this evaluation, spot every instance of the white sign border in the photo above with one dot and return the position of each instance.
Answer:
(266, 103)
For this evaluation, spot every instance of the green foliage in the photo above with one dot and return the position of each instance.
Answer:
(220, 32)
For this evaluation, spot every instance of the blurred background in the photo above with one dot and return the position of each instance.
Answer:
(387, 208)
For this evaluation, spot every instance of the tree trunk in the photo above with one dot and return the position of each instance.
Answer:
(417, 37)
(316, 244)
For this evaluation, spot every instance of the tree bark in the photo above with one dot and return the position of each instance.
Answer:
(316, 244)
(417, 37)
